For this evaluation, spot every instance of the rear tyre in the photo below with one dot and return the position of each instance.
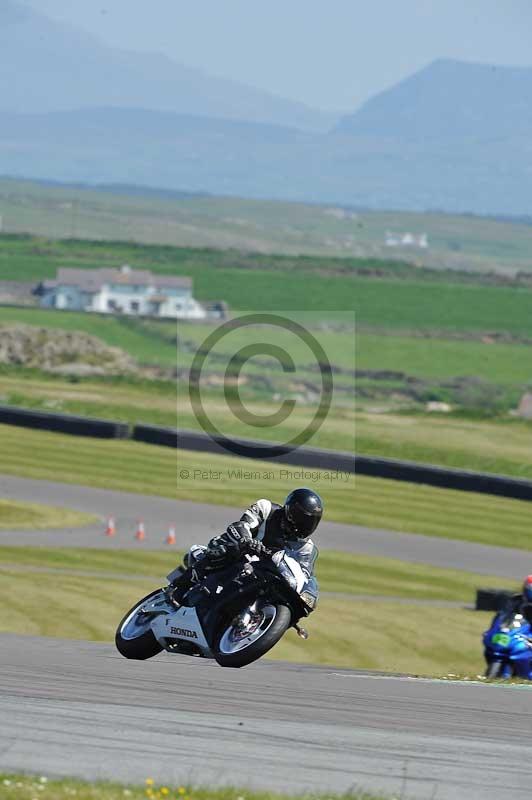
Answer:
(233, 648)
(134, 638)
(494, 670)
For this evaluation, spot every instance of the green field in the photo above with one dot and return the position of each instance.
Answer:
(419, 301)
(430, 358)
(372, 502)
(408, 337)
(397, 370)
(456, 242)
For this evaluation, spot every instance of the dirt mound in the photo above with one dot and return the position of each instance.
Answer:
(61, 351)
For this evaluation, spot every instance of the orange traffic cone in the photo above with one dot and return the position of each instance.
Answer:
(110, 529)
(141, 533)
(170, 539)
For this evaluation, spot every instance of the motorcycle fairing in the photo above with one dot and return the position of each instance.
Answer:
(182, 624)
(221, 594)
(508, 639)
(290, 569)
(296, 577)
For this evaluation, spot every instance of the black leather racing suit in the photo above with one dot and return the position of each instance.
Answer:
(265, 521)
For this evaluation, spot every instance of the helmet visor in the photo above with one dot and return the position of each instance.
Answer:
(301, 524)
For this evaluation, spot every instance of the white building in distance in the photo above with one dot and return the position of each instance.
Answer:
(420, 240)
(121, 291)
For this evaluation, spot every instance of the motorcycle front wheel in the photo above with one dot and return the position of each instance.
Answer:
(495, 670)
(251, 633)
(134, 638)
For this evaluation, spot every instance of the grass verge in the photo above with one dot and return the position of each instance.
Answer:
(344, 573)
(32, 515)
(360, 500)
(411, 638)
(28, 787)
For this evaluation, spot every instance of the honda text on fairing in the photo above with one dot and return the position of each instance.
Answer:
(234, 615)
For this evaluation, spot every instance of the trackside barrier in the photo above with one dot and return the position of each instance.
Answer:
(492, 599)
(63, 423)
(315, 458)
(153, 434)
(445, 478)
(312, 457)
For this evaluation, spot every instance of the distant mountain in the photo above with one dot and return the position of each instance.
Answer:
(154, 148)
(455, 137)
(448, 101)
(49, 66)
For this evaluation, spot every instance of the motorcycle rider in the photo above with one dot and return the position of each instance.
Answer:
(264, 524)
(521, 603)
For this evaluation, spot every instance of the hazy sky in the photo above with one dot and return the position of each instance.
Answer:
(330, 54)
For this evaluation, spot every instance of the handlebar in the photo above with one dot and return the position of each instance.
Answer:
(255, 547)
(246, 546)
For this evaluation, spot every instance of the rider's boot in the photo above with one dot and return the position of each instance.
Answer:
(183, 578)
(182, 585)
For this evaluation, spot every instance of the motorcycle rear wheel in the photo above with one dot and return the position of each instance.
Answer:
(234, 649)
(134, 638)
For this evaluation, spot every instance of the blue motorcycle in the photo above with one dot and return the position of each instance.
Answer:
(508, 646)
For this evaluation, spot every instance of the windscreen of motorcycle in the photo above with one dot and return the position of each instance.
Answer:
(290, 569)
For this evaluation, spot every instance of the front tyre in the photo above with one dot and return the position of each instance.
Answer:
(134, 637)
(495, 670)
(250, 634)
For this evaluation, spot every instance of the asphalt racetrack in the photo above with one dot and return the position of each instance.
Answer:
(79, 708)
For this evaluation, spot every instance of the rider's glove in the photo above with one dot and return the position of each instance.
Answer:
(253, 546)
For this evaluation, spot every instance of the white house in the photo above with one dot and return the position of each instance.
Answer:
(121, 291)
(420, 240)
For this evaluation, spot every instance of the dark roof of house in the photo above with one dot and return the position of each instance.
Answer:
(91, 280)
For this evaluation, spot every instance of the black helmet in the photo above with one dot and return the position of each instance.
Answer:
(303, 509)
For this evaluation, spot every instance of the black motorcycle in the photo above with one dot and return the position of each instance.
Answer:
(233, 615)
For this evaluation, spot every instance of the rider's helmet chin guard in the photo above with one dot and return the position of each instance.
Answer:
(303, 510)
(527, 589)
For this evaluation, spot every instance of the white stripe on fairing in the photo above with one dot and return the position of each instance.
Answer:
(297, 572)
